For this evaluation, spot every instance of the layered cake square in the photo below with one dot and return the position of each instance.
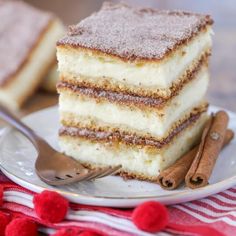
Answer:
(27, 44)
(132, 87)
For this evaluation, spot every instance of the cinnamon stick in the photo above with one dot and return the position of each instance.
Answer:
(172, 177)
(208, 151)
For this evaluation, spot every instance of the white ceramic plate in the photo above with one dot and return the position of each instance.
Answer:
(17, 157)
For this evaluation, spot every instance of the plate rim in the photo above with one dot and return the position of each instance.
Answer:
(214, 188)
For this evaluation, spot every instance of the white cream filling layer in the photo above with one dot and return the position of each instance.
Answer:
(160, 74)
(28, 78)
(151, 121)
(133, 160)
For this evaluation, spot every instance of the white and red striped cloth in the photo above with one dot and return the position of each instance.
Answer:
(217, 211)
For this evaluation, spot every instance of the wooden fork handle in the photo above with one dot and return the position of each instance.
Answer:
(16, 123)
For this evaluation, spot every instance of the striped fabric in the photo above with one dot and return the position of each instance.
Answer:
(193, 218)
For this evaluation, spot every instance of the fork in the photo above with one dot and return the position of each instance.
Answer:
(53, 167)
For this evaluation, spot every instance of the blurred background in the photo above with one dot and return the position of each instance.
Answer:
(222, 90)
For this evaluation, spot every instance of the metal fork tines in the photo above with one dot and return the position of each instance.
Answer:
(89, 176)
(53, 167)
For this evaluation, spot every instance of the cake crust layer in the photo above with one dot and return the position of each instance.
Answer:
(100, 135)
(165, 126)
(155, 100)
(135, 33)
(109, 84)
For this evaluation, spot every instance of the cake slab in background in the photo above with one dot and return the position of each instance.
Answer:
(27, 45)
(132, 88)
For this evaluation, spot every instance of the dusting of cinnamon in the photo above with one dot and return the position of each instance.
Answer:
(135, 33)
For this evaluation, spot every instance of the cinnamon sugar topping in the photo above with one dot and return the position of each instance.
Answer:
(135, 33)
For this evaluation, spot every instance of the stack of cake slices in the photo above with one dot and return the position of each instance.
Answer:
(132, 87)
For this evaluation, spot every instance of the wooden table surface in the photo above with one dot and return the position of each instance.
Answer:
(222, 90)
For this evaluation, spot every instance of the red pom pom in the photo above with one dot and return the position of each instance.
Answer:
(50, 206)
(74, 232)
(67, 232)
(4, 221)
(22, 227)
(1, 195)
(150, 216)
(88, 233)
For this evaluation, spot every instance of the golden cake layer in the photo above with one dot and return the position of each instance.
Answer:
(140, 158)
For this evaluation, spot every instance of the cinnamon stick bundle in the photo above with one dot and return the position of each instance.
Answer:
(208, 151)
(173, 176)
